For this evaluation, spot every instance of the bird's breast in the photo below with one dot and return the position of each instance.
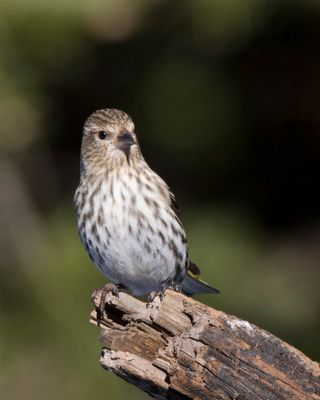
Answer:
(132, 233)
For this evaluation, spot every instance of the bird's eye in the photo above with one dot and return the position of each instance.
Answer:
(103, 135)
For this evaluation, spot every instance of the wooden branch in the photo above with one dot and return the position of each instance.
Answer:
(182, 349)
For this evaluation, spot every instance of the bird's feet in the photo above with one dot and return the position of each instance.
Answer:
(105, 290)
(151, 297)
(171, 286)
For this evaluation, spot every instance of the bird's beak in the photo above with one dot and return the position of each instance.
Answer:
(125, 141)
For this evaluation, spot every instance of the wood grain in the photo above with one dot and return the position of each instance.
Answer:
(179, 348)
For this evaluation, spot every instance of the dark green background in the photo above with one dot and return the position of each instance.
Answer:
(225, 96)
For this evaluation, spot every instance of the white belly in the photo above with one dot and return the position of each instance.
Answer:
(136, 241)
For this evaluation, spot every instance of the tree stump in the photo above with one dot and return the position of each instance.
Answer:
(179, 348)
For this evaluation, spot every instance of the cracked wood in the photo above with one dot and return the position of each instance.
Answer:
(182, 349)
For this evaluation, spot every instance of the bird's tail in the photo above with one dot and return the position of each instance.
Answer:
(192, 285)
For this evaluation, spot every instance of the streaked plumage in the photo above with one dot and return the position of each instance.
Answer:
(127, 216)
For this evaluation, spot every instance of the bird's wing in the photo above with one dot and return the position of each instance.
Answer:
(193, 269)
(174, 205)
(175, 208)
(191, 284)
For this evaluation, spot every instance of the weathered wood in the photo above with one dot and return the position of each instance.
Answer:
(182, 349)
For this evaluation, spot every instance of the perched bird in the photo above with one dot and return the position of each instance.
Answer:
(127, 217)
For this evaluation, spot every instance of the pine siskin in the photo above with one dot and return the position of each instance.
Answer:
(127, 217)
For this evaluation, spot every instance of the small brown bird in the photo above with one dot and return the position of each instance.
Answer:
(127, 217)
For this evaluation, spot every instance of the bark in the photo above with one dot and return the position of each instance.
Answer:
(179, 348)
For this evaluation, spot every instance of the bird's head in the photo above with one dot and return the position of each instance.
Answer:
(109, 141)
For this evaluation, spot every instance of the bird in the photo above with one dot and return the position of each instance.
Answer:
(127, 217)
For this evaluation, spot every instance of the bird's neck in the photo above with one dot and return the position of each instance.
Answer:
(111, 167)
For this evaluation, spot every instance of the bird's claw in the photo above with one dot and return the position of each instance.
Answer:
(176, 287)
(172, 286)
(151, 297)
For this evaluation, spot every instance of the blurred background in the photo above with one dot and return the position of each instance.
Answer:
(225, 96)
